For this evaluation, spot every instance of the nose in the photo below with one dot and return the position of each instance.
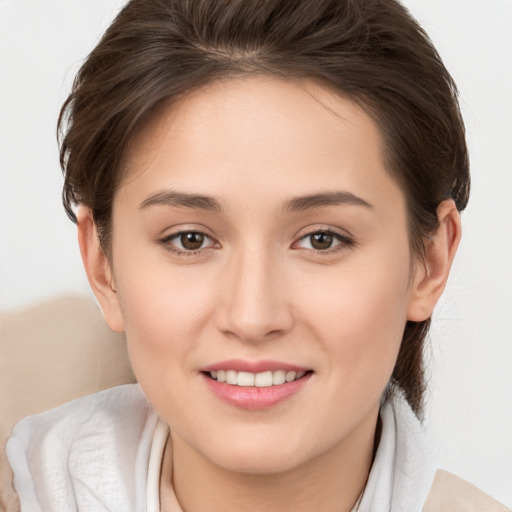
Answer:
(254, 304)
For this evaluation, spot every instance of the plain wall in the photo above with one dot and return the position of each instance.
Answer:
(469, 409)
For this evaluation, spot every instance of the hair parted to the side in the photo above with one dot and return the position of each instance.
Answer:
(371, 51)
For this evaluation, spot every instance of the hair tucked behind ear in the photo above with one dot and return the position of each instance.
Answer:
(409, 374)
(371, 51)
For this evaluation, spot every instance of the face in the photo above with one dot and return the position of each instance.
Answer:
(259, 238)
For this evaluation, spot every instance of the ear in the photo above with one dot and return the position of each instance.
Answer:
(99, 271)
(431, 274)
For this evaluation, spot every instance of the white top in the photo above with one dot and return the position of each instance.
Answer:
(103, 453)
(156, 455)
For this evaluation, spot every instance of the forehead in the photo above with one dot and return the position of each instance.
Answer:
(259, 134)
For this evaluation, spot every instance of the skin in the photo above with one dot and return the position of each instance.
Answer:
(257, 289)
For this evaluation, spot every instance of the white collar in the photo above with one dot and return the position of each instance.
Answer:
(403, 469)
(156, 454)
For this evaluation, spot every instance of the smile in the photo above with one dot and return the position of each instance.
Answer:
(259, 380)
(255, 385)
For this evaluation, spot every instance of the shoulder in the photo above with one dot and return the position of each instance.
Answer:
(94, 448)
(449, 493)
(87, 413)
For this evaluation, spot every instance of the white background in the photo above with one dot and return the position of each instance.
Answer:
(470, 403)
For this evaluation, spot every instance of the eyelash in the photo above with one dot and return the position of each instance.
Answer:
(343, 241)
(167, 243)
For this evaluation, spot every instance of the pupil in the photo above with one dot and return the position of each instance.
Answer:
(192, 241)
(321, 241)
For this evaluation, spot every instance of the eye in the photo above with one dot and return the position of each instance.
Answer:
(188, 241)
(323, 240)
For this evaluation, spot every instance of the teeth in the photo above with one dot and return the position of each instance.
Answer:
(279, 377)
(263, 380)
(259, 380)
(231, 377)
(290, 376)
(245, 379)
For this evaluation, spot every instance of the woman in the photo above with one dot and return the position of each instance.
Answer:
(268, 204)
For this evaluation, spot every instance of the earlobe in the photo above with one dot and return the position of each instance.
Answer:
(98, 270)
(432, 274)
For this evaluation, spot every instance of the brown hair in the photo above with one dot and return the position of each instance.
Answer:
(372, 51)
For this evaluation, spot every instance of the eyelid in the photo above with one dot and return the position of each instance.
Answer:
(168, 245)
(344, 240)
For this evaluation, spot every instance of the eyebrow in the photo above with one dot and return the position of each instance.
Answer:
(183, 199)
(313, 201)
(296, 204)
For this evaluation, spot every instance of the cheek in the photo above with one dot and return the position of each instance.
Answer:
(163, 312)
(164, 316)
(360, 316)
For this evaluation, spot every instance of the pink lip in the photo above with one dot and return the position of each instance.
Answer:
(254, 398)
(240, 365)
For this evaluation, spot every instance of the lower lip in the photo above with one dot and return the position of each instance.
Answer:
(254, 398)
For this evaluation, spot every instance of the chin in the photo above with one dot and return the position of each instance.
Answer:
(260, 465)
(260, 456)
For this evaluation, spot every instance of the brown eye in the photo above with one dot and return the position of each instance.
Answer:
(325, 241)
(187, 243)
(192, 240)
(321, 240)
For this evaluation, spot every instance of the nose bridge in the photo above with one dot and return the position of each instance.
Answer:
(254, 302)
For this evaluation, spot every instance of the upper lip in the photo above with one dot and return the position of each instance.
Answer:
(241, 365)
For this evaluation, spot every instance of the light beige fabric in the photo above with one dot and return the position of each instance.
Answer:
(450, 493)
(52, 353)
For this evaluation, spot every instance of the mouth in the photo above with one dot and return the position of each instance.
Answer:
(258, 380)
(267, 385)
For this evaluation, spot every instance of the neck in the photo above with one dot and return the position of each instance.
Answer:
(333, 481)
